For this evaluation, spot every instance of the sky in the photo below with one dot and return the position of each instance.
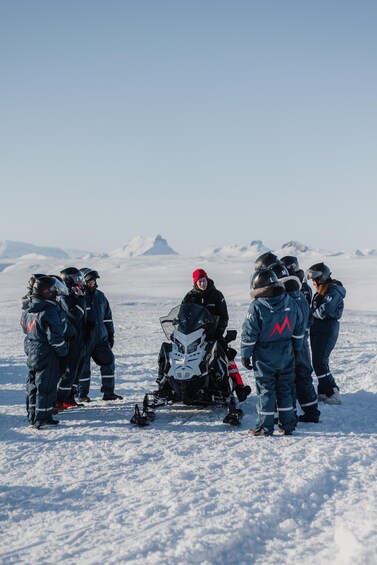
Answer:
(208, 122)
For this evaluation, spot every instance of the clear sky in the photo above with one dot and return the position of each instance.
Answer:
(209, 122)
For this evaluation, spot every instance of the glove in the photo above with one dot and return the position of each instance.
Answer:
(63, 364)
(111, 340)
(246, 363)
(77, 291)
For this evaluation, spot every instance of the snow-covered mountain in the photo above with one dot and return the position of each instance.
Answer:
(14, 249)
(156, 245)
(143, 246)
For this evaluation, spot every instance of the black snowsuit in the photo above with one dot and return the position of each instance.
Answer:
(44, 344)
(215, 303)
(75, 309)
(327, 310)
(99, 328)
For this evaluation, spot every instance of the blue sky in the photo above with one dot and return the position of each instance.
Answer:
(209, 122)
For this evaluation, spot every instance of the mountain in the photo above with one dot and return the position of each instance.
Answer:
(143, 246)
(14, 249)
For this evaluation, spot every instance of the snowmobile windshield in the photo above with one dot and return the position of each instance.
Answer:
(188, 318)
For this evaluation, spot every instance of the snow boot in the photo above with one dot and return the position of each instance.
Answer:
(334, 399)
(242, 392)
(111, 396)
(283, 432)
(39, 424)
(259, 433)
(308, 418)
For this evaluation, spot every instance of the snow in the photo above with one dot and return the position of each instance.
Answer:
(188, 489)
(12, 249)
(141, 245)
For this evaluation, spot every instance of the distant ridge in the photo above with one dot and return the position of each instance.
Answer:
(14, 249)
(143, 246)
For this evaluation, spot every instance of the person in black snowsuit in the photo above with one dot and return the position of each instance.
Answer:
(98, 340)
(204, 293)
(327, 307)
(74, 305)
(46, 349)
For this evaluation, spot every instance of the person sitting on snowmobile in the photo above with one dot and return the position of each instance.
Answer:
(204, 293)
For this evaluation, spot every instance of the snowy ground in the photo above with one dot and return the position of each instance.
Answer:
(188, 489)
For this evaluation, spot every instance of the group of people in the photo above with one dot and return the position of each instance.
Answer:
(287, 332)
(282, 318)
(67, 321)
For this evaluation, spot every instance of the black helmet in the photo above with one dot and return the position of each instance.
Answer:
(61, 287)
(279, 269)
(263, 278)
(33, 278)
(45, 287)
(320, 273)
(89, 274)
(72, 277)
(291, 262)
(265, 260)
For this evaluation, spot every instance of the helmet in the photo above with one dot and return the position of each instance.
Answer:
(262, 278)
(279, 269)
(265, 260)
(291, 263)
(72, 277)
(320, 273)
(61, 287)
(89, 274)
(32, 280)
(45, 287)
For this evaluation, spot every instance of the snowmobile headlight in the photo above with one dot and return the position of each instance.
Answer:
(193, 346)
(179, 345)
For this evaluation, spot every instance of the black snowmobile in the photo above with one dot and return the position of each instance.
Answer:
(193, 366)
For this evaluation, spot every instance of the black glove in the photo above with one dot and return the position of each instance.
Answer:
(246, 363)
(63, 364)
(231, 353)
(111, 340)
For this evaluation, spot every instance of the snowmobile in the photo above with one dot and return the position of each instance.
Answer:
(193, 366)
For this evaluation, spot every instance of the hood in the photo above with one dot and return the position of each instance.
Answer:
(276, 303)
(38, 304)
(337, 285)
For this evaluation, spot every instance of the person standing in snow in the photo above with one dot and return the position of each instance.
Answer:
(327, 308)
(304, 389)
(99, 340)
(46, 349)
(74, 305)
(271, 339)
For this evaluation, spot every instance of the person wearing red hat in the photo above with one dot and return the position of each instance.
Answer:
(206, 294)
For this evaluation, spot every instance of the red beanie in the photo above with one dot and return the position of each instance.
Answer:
(199, 274)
